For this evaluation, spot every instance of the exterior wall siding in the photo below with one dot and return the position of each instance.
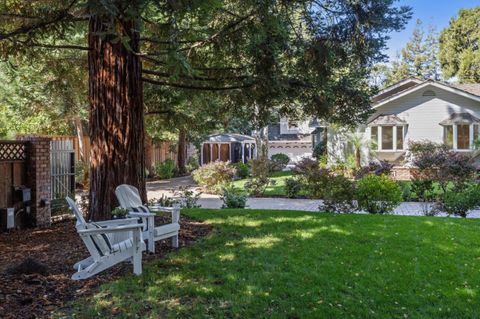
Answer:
(423, 115)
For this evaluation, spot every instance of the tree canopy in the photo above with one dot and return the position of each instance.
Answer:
(419, 57)
(459, 51)
(257, 55)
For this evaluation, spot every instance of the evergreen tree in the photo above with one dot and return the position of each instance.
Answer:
(313, 53)
(418, 58)
(459, 47)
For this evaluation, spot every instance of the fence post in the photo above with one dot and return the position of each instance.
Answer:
(38, 177)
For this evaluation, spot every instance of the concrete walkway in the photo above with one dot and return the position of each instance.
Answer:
(156, 189)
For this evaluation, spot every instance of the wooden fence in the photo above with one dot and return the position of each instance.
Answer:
(160, 151)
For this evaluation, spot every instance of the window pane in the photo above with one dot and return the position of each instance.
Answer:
(387, 137)
(463, 137)
(399, 137)
(475, 132)
(448, 135)
(374, 137)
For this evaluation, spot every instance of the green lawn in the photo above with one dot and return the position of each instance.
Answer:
(285, 264)
(276, 190)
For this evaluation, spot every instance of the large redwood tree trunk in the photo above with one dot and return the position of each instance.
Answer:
(116, 116)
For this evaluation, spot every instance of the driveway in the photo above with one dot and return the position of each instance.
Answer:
(156, 189)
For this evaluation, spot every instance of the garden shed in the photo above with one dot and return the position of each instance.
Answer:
(228, 147)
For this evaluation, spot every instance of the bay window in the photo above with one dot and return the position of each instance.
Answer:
(387, 137)
(460, 136)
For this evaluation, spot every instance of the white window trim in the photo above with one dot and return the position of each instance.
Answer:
(379, 138)
(455, 137)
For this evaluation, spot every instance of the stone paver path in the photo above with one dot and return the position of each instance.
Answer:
(155, 189)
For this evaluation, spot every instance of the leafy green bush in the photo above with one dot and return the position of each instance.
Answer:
(338, 196)
(406, 190)
(187, 198)
(82, 173)
(377, 168)
(292, 187)
(319, 150)
(261, 167)
(192, 163)
(378, 194)
(119, 212)
(166, 169)
(304, 166)
(315, 181)
(258, 185)
(242, 169)
(280, 161)
(459, 202)
(233, 198)
(214, 175)
(163, 201)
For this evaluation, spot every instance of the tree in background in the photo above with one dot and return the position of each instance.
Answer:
(418, 58)
(459, 47)
(311, 53)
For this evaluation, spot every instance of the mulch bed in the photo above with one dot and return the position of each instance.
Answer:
(47, 256)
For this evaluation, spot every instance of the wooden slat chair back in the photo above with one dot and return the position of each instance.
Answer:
(108, 243)
(129, 198)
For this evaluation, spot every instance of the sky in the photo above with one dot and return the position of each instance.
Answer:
(435, 12)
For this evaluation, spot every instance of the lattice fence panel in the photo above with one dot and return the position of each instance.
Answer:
(12, 151)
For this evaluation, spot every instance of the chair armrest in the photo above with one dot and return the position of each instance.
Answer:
(97, 231)
(175, 211)
(176, 215)
(161, 209)
(141, 215)
(117, 222)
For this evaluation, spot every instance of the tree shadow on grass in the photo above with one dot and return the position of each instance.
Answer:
(296, 265)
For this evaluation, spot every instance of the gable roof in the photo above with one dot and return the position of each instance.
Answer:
(460, 118)
(473, 88)
(396, 88)
(461, 89)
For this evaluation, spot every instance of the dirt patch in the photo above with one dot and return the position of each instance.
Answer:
(36, 266)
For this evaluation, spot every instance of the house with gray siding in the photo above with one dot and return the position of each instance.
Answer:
(414, 110)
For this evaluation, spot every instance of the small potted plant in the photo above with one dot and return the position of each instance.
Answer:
(119, 213)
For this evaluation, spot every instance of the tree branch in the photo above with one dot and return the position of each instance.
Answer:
(198, 78)
(194, 87)
(42, 24)
(55, 46)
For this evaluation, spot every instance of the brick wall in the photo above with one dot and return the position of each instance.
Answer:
(402, 173)
(38, 178)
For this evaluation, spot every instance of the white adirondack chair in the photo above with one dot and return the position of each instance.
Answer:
(129, 198)
(109, 243)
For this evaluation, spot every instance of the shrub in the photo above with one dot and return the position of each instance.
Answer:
(192, 163)
(319, 150)
(377, 168)
(242, 170)
(338, 195)
(315, 181)
(82, 173)
(378, 194)
(163, 201)
(280, 161)
(261, 167)
(458, 203)
(214, 175)
(257, 186)
(188, 198)
(292, 187)
(233, 198)
(405, 187)
(304, 166)
(119, 212)
(166, 169)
